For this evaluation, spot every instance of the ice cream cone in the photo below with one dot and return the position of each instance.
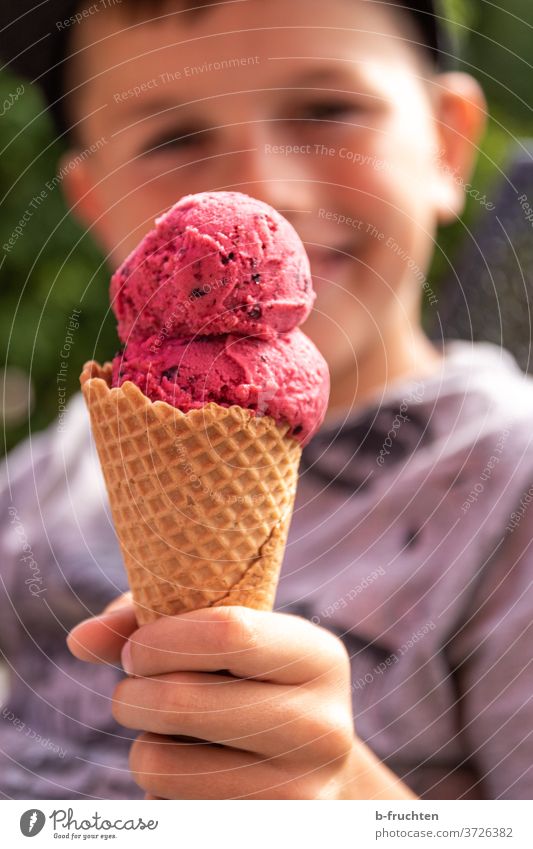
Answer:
(201, 501)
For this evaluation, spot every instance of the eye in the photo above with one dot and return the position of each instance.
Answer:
(327, 110)
(180, 139)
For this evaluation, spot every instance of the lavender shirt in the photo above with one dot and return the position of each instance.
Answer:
(411, 540)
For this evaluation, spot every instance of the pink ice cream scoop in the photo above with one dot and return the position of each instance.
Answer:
(209, 304)
(284, 377)
(217, 262)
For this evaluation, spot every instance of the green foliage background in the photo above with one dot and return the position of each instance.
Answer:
(54, 267)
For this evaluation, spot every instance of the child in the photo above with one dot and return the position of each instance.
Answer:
(408, 554)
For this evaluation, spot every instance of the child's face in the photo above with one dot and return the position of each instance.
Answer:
(320, 109)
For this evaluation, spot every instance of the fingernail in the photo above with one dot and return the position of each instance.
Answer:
(117, 604)
(125, 656)
(79, 625)
(100, 618)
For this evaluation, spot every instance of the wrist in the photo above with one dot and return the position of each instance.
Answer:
(366, 777)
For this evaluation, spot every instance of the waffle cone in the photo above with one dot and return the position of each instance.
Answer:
(201, 501)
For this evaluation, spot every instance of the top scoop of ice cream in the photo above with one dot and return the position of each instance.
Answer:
(217, 262)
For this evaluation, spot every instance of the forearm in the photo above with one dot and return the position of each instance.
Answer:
(368, 778)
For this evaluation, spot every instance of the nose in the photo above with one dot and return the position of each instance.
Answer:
(274, 173)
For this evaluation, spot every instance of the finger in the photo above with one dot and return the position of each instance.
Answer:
(172, 770)
(124, 600)
(268, 719)
(101, 639)
(248, 643)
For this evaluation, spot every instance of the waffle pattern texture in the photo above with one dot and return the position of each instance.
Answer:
(201, 501)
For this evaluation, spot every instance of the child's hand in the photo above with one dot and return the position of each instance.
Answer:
(277, 723)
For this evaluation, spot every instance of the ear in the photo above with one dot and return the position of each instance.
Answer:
(461, 114)
(80, 190)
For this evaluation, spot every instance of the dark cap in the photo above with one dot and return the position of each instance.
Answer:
(34, 41)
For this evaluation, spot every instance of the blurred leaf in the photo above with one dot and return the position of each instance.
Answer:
(39, 285)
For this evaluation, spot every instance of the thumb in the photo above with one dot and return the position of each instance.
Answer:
(101, 639)
(121, 601)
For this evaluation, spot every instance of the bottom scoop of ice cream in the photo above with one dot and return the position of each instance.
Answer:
(285, 378)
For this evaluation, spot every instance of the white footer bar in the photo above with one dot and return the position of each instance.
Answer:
(268, 824)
